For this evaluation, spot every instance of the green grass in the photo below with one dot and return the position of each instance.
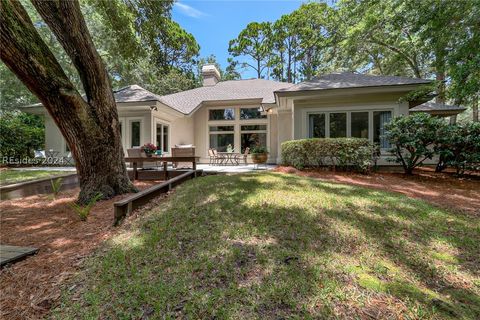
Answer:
(16, 176)
(271, 246)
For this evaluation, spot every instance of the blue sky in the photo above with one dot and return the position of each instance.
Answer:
(215, 22)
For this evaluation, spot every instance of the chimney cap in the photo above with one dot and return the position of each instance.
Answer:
(211, 75)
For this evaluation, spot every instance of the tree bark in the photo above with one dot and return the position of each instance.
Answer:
(90, 127)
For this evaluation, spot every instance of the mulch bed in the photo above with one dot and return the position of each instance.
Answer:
(29, 288)
(441, 189)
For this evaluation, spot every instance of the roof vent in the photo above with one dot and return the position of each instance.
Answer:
(210, 75)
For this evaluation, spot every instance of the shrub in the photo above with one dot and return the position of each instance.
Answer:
(56, 186)
(459, 146)
(413, 139)
(346, 153)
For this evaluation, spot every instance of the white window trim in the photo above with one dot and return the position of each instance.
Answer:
(163, 123)
(129, 130)
(237, 123)
(306, 124)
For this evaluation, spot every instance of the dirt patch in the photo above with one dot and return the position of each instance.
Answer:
(441, 189)
(29, 288)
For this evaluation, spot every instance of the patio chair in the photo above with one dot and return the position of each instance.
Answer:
(136, 153)
(39, 154)
(218, 157)
(211, 157)
(243, 156)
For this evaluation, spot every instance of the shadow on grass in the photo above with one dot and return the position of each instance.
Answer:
(262, 246)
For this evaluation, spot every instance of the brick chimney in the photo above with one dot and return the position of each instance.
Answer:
(210, 75)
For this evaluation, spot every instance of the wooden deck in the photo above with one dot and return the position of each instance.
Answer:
(10, 254)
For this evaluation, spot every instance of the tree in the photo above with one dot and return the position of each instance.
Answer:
(414, 138)
(90, 126)
(254, 42)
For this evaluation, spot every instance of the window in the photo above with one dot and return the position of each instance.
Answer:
(359, 125)
(162, 137)
(338, 125)
(221, 137)
(221, 114)
(251, 113)
(380, 118)
(316, 125)
(135, 130)
(253, 135)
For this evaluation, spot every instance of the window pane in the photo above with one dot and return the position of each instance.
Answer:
(380, 118)
(165, 138)
(135, 139)
(338, 125)
(221, 141)
(221, 114)
(251, 113)
(360, 125)
(221, 128)
(316, 125)
(253, 139)
(159, 136)
(254, 127)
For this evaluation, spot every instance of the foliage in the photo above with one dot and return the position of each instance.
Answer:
(414, 138)
(345, 153)
(84, 211)
(459, 146)
(271, 245)
(149, 148)
(21, 134)
(258, 149)
(56, 186)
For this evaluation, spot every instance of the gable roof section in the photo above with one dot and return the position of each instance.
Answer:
(188, 101)
(352, 80)
(431, 106)
(134, 93)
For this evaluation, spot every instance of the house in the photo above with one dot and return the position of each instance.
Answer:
(242, 113)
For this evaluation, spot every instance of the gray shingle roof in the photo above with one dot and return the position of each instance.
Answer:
(431, 106)
(187, 101)
(134, 93)
(352, 80)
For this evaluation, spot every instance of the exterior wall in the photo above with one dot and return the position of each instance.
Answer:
(53, 137)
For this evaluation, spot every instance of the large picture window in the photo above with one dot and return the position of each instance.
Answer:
(316, 125)
(253, 135)
(221, 137)
(162, 137)
(135, 134)
(380, 119)
(251, 113)
(359, 125)
(338, 125)
(221, 114)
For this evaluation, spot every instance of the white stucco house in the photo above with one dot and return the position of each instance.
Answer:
(244, 112)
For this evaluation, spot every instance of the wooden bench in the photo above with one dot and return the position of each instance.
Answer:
(124, 207)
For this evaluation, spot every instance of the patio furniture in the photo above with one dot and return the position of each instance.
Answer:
(186, 150)
(230, 157)
(244, 155)
(137, 160)
(67, 160)
(136, 153)
(51, 153)
(39, 154)
(218, 157)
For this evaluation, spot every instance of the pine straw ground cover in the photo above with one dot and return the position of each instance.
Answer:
(275, 246)
(30, 287)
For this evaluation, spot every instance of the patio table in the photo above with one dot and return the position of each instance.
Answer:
(165, 160)
(231, 157)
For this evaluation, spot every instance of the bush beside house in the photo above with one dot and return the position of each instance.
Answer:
(343, 153)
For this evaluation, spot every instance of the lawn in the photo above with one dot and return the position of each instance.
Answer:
(15, 176)
(272, 245)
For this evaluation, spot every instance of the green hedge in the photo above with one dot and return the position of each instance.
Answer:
(344, 153)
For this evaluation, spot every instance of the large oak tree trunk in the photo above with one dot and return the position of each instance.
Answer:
(90, 126)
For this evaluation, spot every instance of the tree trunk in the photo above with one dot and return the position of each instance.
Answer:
(91, 128)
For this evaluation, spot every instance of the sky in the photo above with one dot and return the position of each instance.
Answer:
(215, 22)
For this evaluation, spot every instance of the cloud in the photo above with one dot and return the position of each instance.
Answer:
(189, 11)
